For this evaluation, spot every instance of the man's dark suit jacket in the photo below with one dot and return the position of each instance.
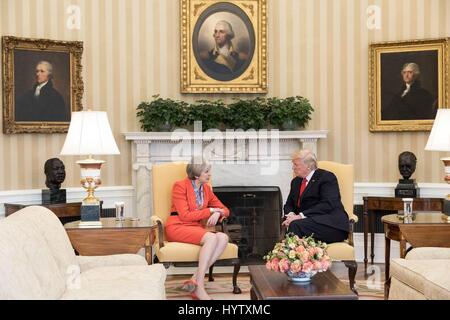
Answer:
(49, 106)
(320, 201)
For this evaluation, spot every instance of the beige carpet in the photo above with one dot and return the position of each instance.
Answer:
(221, 288)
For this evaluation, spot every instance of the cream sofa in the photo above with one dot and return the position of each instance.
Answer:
(38, 262)
(424, 274)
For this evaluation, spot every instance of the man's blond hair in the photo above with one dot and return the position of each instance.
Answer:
(307, 157)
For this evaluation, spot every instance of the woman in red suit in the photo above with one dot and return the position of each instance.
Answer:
(192, 202)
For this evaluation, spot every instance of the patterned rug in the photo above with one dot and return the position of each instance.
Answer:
(221, 288)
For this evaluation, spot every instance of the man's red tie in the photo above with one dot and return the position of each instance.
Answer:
(302, 188)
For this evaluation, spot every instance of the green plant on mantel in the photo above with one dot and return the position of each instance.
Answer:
(165, 114)
(210, 113)
(162, 114)
(290, 113)
(245, 114)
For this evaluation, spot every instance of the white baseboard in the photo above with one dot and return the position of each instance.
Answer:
(109, 195)
(427, 190)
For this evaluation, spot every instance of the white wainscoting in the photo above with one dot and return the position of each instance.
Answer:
(108, 195)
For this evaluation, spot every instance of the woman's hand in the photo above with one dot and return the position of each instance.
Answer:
(212, 221)
(220, 210)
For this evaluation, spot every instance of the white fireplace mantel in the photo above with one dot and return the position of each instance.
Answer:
(239, 157)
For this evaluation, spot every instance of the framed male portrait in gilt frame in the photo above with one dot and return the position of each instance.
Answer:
(408, 83)
(223, 46)
(42, 84)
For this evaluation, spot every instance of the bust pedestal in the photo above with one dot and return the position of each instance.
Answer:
(53, 196)
(407, 188)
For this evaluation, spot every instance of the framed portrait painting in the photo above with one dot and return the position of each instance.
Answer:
(42, 84)
(223, 46)
(408, 83)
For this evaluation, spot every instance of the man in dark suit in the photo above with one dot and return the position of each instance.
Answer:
(43, 102)
(314, 205)
(412, 102)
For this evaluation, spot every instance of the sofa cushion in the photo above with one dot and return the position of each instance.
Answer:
(430, 277)
(28, 269)
(121, 282)
(114, 260)
(183, 252)
(426, 253)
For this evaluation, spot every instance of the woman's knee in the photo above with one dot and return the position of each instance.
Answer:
(209, 237)
(222, 237)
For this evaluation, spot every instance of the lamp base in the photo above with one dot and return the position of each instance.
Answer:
(446, 209)
(90, 214)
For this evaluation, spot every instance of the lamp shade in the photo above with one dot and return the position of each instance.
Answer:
(89, 134)
(439, 139)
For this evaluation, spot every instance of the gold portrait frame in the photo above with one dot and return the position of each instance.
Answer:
(196, 76)
(20, 53)
(386, 61)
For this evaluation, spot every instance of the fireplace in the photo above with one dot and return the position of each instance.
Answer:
(255, 219)
(237, 157)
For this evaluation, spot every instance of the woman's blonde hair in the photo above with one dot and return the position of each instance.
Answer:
(195, 168)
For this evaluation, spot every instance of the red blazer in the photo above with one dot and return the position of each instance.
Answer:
(183, 202)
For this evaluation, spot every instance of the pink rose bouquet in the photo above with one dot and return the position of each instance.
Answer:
(297, 256)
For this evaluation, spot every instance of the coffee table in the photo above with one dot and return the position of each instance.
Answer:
(271, 285)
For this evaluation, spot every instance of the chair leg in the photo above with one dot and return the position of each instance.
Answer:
(237, 267)
(210, 277)
(352, 268)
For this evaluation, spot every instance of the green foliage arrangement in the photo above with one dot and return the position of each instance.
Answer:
(210, 113)
(161, 114)
(289, 113)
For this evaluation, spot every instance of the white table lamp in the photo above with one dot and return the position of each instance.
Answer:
(90, 134)
(439, 140)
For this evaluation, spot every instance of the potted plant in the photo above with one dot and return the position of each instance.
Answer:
(245, 114)
(162, 114)
(210, 113)
(290, 113)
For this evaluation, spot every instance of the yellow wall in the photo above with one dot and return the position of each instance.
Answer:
(316, 48)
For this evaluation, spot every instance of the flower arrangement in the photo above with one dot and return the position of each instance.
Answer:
(298, 257)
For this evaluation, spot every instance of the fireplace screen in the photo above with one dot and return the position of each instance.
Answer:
(255, 219)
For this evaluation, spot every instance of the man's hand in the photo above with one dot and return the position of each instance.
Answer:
(212, 221)
(289, 218)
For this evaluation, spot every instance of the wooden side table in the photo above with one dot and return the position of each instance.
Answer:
(113, 237)
(373, 206)
(61, 210)
(426, 222)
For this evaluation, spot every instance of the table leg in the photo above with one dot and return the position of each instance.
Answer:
(253, 294)
(402, 247)
(387, 258)
(372, 235)
(366, 228)
(148, 251)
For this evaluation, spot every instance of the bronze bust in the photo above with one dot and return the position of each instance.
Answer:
(55, 173)
(406, 187)
(407, 164)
